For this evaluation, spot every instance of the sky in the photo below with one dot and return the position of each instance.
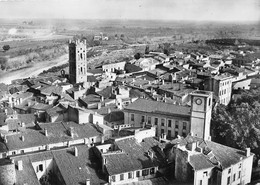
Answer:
(200, 10)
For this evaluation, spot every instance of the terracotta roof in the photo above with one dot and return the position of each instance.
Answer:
(114, 116)
(51, 90)
(158, 107)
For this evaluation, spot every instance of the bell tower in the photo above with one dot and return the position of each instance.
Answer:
(201, 109)
(78, 61)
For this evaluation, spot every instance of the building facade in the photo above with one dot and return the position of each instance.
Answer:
(173, 120)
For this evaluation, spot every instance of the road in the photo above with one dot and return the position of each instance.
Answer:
(33, 70)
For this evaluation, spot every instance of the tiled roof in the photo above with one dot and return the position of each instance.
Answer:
(158, 107)
(57, 132)
(134, 156)
(56, 110)
(92, 79)
(214, 153)
(131, 68)
(41, 106)
(73, 169)
(114, 116)
(28, 119)
(199, 162)
(76, 170)
(106, 92)
(51, 90)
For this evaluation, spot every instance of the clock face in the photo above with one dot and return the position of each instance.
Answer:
(198, 101)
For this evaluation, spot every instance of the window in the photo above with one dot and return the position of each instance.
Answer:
(169, 133)
(229, 170)
(169, 123)
(162, 122)
(22, 151)
(228, 180)
(130, 175)
(152, 171)
(149, 120)
(209, 101)
(143, 120)
(113, 178)
(176, 133)
(234, 177)
(184, 125)
(121, 177)
(132, 117)
(239, 174)
(240, 165)
(205, 174)
(200, 182)
(156, 121)
(177, 124)
(162, 131)
(137, 173)
(41, 167)
(13, 153)
(145, 172)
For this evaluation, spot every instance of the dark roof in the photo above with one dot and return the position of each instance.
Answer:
(51, 90)
(114, 116)
(56, 110)
(2, 119)
(133, 155)
(27, 119)
(158, 107)
(106, 92)
(76, 170)
(218, 155)
(92, 79)
(57, 132)
(73, 169)
(131, 68)
(199, 162)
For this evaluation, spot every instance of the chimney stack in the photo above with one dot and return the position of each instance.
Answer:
(22, 138)
(99, 105)
(248, 152)
(76, 152)
(20, 165)
(88, 182)
(45, 132)
(193, 146)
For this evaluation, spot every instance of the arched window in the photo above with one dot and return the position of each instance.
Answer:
(81, 56)
(81, 70)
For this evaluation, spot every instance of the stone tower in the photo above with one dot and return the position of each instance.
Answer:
(78, 61)
(201, 108)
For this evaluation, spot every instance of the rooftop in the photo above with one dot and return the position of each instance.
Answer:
(158, 107)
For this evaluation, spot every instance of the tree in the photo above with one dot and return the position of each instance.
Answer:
(6, 47)
(137, 56)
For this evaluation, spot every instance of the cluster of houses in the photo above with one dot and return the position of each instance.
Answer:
(145, 121)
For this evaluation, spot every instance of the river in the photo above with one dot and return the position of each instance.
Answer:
(32, 70)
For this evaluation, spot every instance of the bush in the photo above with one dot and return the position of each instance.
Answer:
(6, 47)
(3, 63)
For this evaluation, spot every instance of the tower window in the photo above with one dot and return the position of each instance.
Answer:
(81, 56)
(81, 70)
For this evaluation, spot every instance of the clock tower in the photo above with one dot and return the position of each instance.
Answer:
(201, 108)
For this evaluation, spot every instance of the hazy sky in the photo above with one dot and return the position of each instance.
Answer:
(215, 10)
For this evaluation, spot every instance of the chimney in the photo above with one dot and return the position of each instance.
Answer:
(193, 146)
(71, 131)
(20, 165)
(22, 138)
(76, 152)
(45, 132)
(102, 98)
(108, 110)
(150, 154)
(99, 105)
(23, 124)
(163, 81)
(248, 152)
(5, 139)
(88, 182)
